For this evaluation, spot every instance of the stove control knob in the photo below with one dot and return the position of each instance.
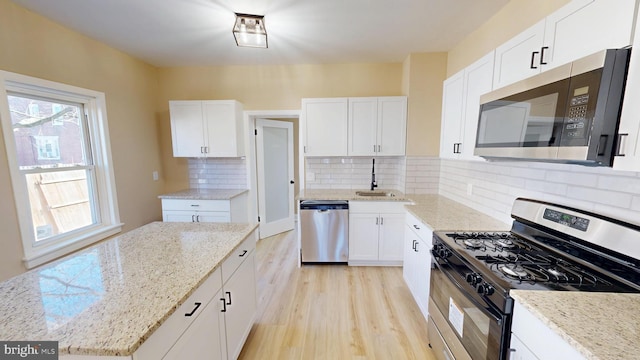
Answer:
(473, 278)
(485, 289)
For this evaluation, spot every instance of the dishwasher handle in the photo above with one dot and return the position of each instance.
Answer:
(324, 205)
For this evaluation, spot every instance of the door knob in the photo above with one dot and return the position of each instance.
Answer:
(292, 182)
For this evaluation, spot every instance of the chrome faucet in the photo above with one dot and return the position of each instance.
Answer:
(373, 175)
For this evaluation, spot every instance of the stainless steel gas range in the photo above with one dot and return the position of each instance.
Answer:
(550, 247)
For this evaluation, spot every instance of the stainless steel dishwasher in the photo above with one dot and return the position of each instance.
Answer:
(324, 230)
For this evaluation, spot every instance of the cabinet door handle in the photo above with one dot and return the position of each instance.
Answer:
(621, 143)
(304, 149)
(201, 149)
(414, 245)
(244, 252)
(197, 218)
(194, 309)
(377, 221)
(533, 59)
(381, 220)
(542, 50)
(224, 305)
(379, 148)
(193, 218)
(228, 293)
(374, 148)
(416, 249)
(206, 149)
(416, 227)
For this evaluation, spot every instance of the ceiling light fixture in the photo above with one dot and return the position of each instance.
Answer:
(249, 31)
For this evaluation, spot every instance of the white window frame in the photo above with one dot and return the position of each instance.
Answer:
(107, 205)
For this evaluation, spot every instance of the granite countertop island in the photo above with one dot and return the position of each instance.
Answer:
(603, 326)
(204, 194)
(110, 297)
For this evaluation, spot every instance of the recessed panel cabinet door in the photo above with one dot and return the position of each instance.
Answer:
(390, 242)
(392, 126)
(187, 131)
(452, 114)
(241, 305)
(363, 126)
(205, 338)
(519, 58)
(325, 126)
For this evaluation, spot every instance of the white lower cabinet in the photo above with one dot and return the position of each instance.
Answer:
(215, 320)
(195, 210)
(417, 261)
(531, 339)
(376, 231)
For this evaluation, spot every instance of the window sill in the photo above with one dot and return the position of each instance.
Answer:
(41, 256)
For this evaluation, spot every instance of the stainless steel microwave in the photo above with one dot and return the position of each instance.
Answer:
(567, 114)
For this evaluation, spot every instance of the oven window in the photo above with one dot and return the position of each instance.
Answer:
(529, 119)
(479, 332)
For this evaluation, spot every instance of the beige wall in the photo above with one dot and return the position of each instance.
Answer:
(35, 46)
(423, 75)
(512, 19)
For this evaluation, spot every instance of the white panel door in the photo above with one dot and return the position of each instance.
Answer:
(241, 305)
(363, 236)
(519, 57)
(391, 238)
(452, 112)
(325, 126)
(478, 80)
(583, 27)
(363, 126)
(274, 161)
(392, 126)
(187, 133)
(205, 338)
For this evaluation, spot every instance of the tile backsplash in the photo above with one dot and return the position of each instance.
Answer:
(217, 173)
(354, 172)
(491, 187)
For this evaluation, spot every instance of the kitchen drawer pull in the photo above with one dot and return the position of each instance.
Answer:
(195, 205)
(533, 57)
(224, 305)
(244, 252)
(194, 309)
(542, 62)
(228, 293)
(416, 227)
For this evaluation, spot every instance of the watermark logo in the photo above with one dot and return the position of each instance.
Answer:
(31, 350)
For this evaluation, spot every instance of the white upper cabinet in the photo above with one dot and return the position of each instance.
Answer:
(580, 28)
(461, 107)
(211, 128)
(377, 126)
(452, 111)
(325, 126)
(628, 154)
(367, 126)
(518, 58)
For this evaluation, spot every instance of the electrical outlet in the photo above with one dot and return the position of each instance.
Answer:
(469, 189)
(155, 175)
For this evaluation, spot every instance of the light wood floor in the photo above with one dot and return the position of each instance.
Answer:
(331, 311)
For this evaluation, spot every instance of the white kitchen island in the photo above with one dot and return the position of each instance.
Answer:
(113, 298)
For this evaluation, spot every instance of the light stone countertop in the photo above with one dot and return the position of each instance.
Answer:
(350, 195)
(604, 326)
(438, 212)
(110, 297)
(204, 194)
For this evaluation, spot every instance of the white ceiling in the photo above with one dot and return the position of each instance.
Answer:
(198, 32)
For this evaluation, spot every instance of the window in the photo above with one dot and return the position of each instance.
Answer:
(59, 157)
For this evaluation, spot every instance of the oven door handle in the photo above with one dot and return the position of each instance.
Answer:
(472, 300)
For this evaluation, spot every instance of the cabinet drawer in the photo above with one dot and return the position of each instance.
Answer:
(422, 230)
(377, 207)
(196, 205)
(231, 264)
(168, 333)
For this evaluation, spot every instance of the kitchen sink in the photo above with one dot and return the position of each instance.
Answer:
(374, 193)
